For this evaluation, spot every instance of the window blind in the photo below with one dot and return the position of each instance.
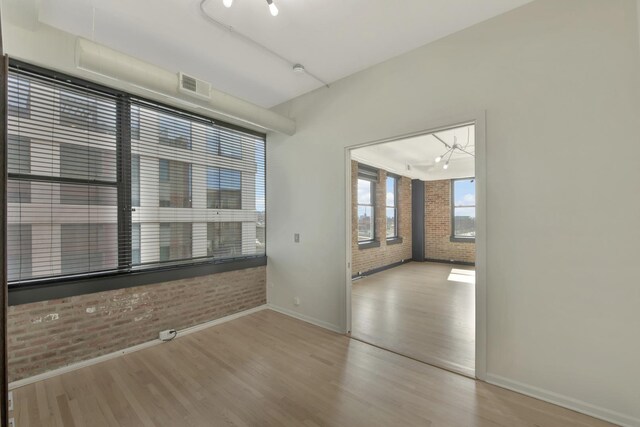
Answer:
(201, 188)
(101, 182)
(62, 187)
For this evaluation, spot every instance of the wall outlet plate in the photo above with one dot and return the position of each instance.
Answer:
(12, 422)
(10, 401)
(167, 335)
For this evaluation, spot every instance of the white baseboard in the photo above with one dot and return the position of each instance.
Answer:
(564, 401)
(307, 319)
(105, 357)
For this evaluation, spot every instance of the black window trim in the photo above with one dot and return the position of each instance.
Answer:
(453, 237)
(63, 287)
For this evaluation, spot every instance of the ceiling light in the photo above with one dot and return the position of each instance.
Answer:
(298, 68)
(451, 149)
(272, 8)
(227, 3)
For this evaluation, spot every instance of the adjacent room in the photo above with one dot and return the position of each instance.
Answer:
(319, 213)
(413, 247)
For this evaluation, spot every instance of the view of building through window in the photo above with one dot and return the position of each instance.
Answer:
(197, 189)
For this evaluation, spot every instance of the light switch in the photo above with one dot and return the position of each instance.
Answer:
(296, 237)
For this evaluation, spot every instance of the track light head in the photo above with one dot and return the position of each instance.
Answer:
(446, 165)
(227, 3)
(272, 8)
(438, 159)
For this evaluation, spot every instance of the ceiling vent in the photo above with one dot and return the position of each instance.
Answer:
(194, 87)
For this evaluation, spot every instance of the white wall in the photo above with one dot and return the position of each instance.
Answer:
(560, 81)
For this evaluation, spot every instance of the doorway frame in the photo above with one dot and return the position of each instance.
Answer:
(478, 118)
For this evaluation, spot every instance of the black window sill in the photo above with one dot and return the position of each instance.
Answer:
(463, 239)
(394, 241)
(23, 294)
(369, 245)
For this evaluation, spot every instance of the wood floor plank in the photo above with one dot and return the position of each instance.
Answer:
(267, 369)
(423, 310)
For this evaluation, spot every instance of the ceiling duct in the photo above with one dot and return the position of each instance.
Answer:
(107, 62)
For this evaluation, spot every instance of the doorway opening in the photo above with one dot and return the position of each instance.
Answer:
(413, 227)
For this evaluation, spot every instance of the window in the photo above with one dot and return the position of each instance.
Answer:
(175, 184)
(135, 180)
(19, 96)
(173, 131)
(392, 209)
(19, 253)
(463, 210)
(88, 248)
(135, 122)
(91, 194)
(175, 241)
(221, 142)
(85, 112)
(224, 239)
(224, 188)
(81, 161)
(136, 258)
(19, 163)
(366, 204)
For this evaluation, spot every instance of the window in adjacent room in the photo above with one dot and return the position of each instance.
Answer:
(366, 204)
(463, 212)
(392, 208)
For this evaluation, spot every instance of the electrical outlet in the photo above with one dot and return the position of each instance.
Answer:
(12, 422)
(296, 301)
(10, 401)
(167, 335)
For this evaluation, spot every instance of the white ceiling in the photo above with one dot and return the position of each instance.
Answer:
(415, 157)
(331, 38)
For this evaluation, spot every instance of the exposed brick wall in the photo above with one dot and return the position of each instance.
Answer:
(51, 334)
(364, 260)
(438, 226)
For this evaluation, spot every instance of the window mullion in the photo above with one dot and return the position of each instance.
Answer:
(123, 144)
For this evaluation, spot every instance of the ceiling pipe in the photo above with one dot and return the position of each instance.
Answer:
(99, 59)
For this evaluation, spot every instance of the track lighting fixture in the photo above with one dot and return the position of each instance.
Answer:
(272, 7)
(297, 68)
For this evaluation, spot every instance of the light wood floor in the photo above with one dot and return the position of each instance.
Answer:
(267, 369)
(421, 309)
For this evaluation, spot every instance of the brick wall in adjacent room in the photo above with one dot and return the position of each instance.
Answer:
(438, 244)
(51, 334)
(364, 260)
